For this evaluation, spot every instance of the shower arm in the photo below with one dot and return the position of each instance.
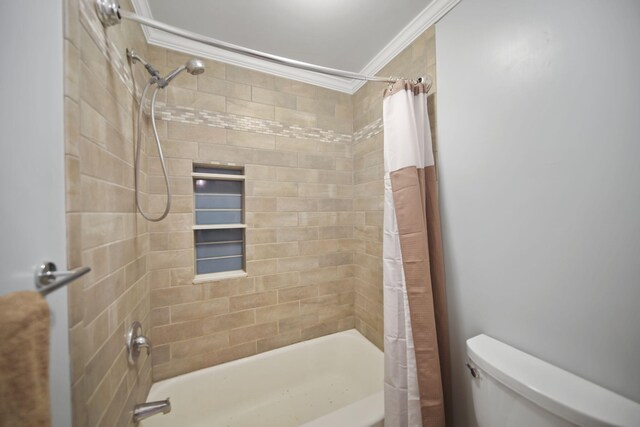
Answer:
(110, 14)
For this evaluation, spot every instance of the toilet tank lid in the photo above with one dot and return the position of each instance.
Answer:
(556, 390)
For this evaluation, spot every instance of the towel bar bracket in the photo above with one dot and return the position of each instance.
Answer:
(48, 278)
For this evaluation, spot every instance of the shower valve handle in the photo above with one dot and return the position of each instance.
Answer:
(135, 341)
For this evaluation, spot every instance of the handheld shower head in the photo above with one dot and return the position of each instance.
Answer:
(193, 67)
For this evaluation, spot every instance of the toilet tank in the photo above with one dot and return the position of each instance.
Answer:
(511, 388)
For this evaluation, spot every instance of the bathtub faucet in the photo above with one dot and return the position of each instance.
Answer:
(145, 410)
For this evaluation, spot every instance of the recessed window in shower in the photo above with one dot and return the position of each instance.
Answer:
(219, 230)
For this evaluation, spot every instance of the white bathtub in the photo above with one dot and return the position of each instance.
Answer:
(336, 380)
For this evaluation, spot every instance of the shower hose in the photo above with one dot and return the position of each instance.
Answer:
(161, 155)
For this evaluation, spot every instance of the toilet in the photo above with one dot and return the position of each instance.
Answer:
(511, 388)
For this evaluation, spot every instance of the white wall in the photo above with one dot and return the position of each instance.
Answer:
(539, 136)
(32, 208)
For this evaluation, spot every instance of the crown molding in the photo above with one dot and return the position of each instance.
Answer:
(429, 16)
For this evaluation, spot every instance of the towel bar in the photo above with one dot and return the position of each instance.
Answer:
(48, 278)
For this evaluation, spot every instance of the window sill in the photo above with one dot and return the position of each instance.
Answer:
(218, 227)
(214, 277)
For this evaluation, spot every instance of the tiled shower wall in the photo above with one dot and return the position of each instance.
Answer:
(104, 231)
(314, 210)
(313, 161)
(294, 141)
(416, 60)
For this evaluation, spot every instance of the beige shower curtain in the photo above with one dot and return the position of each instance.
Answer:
(416, 343)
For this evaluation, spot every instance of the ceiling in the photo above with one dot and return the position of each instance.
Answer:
(350, 35)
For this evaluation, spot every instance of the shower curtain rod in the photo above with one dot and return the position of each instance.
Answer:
(110, 14)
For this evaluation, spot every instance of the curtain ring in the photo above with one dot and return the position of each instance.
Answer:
(392, 81)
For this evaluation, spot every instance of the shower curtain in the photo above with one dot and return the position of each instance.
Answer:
(416, 347)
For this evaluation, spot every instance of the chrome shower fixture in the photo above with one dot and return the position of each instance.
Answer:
(133, 57)
(108, 12)
(193, 67)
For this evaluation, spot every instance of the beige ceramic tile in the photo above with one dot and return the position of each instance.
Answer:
(297, 293)
(229, 321)
(199, 345)
(246, 76)
(290, 234)
(296, 144)
(278, 341)
(195, 133)
(229, 89)
(272, 219)
(200, 309)
(251, 109)
(175, 295)
(260, 299)
(261, 235)
(195, 99)
(316, 161)
(274, 281)
(274, 250)
(250, 140)
(253, 333)
(294, 117)
(278, 99)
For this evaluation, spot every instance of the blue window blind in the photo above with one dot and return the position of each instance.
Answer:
(218, 207)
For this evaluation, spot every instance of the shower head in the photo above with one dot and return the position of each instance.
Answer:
(193, 67)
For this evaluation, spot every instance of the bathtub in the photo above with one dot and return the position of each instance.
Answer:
(335, 380)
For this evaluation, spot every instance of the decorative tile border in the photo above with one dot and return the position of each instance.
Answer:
(246, 123)
(372, 129)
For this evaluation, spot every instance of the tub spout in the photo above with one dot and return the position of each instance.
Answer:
(145, 410)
